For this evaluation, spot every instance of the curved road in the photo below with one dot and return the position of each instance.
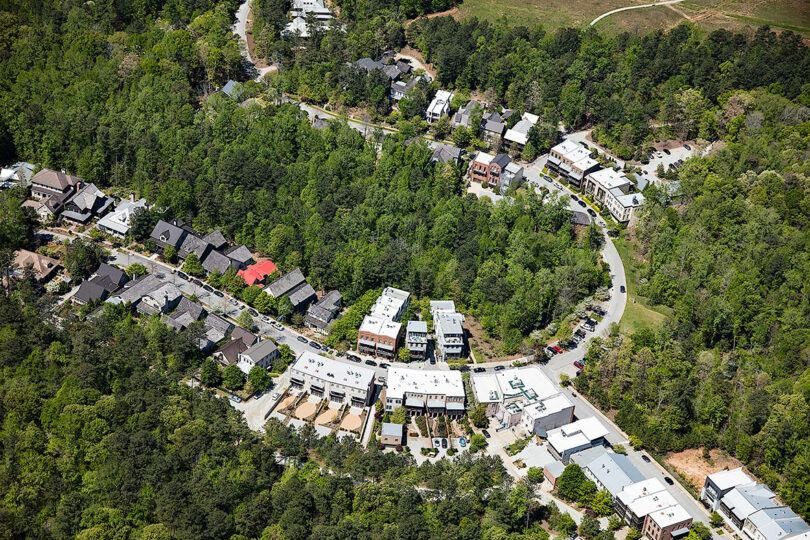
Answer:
(240, 29)
(603, 15)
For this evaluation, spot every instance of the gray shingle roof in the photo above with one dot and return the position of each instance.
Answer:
(240, 254)
(216, 239)
(285, 283)
(168, 234)
(90, 291)
(193, 244)
(302, 295)
(216, 262)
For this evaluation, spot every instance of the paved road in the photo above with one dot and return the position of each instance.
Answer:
(240, 29)
(603, 15)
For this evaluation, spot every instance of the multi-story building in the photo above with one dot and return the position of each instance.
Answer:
(117, 222)
(718, 484)
(742, 501)
(48, 182)
(637, 500)
(439, 106)
(609, 471)
(572, 161)
(780, 523)
(378, 336)
(391, 304)
(416, 339)
(518, 135)
(87, 203)
(667, 523)
(425, 391)
(338, 381)
(614, 190)
(260, 354)
(498, 171)
(523, 397)
(300, 11)
(566, 440)
(321, 313)
(449, 331)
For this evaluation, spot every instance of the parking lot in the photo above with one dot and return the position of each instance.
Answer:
(675, 154)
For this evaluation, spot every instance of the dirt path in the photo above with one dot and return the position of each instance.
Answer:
(453, 12)
(417, 60)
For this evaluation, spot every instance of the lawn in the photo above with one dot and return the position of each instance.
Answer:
(638, 313)
(733, 15)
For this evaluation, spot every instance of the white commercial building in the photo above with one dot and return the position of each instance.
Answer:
(425, 391)
(585, 433)
(391, 304)
(327, 378)
(572, 161)
(614, 190)
(523, 397)
(439, 106)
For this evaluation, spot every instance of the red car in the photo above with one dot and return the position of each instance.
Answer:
(579, 364)
(558, 349)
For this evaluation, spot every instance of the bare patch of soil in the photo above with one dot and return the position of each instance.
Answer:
(695, 468)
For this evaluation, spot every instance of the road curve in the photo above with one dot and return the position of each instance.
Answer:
(240, 29)
(603, 15)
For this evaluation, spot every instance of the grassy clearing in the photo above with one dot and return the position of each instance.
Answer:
(638, 313)
(552, 14)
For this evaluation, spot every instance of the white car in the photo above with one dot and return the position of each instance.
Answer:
(275, 396)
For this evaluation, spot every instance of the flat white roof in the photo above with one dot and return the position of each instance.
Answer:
(389, 303)
(730, 478)
(439, 102)
(566, 147)
(670, 515)
(529, 381)
(576, 434)
(629, 200)
(640, 489)
(333, 371)
(423, 381)
(485, 387)
(380, 326)
(660, 500)
(548, 406)
(609, 178)
(484, 158)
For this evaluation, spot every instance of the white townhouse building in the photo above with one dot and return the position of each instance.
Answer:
(327, 378)
(425, 391)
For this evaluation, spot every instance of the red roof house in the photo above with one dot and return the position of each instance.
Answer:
(255, 273)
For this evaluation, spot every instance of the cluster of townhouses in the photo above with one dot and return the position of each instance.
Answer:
(751, 510)
(330, 379)
(58, 194)
(425, 391)
(212, 249)
(499, 171)
(381, 331)
(608, 187)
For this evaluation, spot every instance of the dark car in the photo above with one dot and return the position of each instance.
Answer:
(353, 358)
(578, 364)
(314, 345)
(622, 289)
(499, 368)
(486, 433)
(253, 312)
(384, 365)
(208, 288)
(669, 481)
(574, 197)
(645, 458)
(687, 147)
(218, 293)
(667, 152)
(197, 282)
(302, 339)
(444, 443)
(591, 212)
(551, 350)
(182, 275)
(582, 204)
(479, 370)
(371, 363)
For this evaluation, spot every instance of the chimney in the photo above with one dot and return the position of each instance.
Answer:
(132, 196)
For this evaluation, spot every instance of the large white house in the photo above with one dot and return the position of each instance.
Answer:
(425, 391)
(117, 222)
(571, 161)
(585, 433)
(615, 191)
(439, 106)
(327, 378)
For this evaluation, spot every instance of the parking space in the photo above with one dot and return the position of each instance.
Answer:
(673, 154)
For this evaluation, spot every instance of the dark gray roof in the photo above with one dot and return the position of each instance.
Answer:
(502, 160)
(260, 350)
(285, 283)
(368, 64)
(192, 308)
(240, 254)
(239, 333)
(319, 123)
(90, 291)
(168, 234)
(580, 218)
(117, 276)
(193, 244)
(302, 295)
(493, 126)
(445, 153)
(216, 262)
(216, 239)
(404, 67)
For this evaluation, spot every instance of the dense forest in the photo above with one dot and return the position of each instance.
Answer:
(731, 368)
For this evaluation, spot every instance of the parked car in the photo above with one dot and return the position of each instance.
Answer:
(462, 442)
(687, 147)
(582, 204)
(275, 396)
(181, 275)
(558, 349)
(233, 302)
(591, 212)
(253, 312)
(574, 197)
(486, 433)
(218, 294)
(499, 368)
(444, 443)
(371, 363)
(550, 350)
(578, 364)
(277, 325)
(353, 358)
(645, 458)
(384, 365)
(667, 152)
(314, 345)
(302, 339)
(479, 370)
(235, 399)
(622, 289)
(669, 481)
(208, 288)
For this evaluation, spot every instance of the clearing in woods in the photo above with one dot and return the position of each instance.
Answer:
(692, 466)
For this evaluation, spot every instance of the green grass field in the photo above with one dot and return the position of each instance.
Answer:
(638, 313)
(733, 15)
